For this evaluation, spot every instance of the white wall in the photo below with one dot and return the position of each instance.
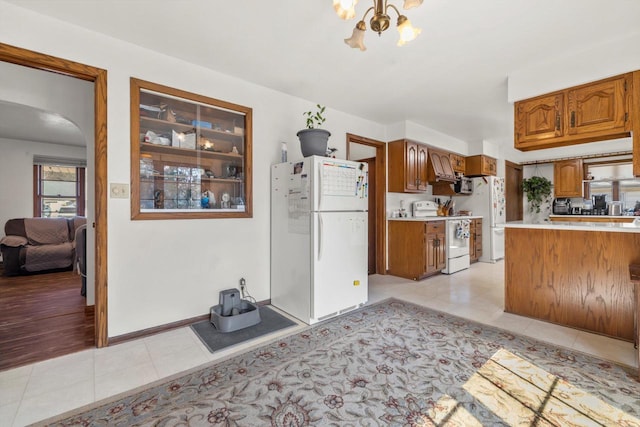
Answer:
(164, 271)
(16, 174)
(543, 170)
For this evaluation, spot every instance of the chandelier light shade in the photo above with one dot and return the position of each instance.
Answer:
(379, 22)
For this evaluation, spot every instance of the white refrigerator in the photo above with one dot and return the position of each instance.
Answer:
(319, 244)
(488, 200)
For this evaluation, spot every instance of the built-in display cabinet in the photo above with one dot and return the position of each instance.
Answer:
(191, 155)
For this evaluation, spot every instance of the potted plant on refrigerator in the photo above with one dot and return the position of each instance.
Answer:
(538, 190)
(313, 140)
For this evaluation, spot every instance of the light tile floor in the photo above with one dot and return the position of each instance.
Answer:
(41, 390)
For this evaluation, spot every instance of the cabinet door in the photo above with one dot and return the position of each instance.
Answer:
(567, 177)
(481, 165)
(539, 119)
(421, 167)
(457, 162)
(478, 238)
(446, 165)
(598, 107)
(405, 167)
(472, 241)
(441, 261)
(411, 162)
(489, 165)
(431, 261)
(436, 162)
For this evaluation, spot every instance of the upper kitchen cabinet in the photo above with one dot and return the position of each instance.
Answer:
(567, 178)
(539, 119)
(190, 155)
(599, 108)
(458, 162)
(481, 165)
(439, 167)
(587, 113)
(407, 167)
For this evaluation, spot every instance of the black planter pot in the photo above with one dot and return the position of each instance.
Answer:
(313, 142)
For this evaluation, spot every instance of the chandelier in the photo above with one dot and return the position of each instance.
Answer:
(379, 21)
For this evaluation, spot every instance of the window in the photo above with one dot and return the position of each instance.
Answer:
(59, 191)
(616, 182)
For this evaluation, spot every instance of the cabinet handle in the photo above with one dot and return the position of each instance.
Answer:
(557, 121)
(573, 119)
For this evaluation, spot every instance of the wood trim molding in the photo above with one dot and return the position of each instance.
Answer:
(635, 121)
(381, 196)
(98, 76)
(168, 326)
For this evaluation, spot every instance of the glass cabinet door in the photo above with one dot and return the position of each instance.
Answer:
(191, 155)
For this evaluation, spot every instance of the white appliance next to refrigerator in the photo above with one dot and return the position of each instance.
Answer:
(488, 200)
(319, 245)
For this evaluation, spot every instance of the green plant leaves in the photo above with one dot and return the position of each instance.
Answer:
(315, 119)
(538, 190)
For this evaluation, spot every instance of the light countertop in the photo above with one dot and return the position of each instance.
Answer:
(626, 227)
(436, 218)
(583, 217)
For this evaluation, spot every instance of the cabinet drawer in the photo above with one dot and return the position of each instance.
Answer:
(435, 227)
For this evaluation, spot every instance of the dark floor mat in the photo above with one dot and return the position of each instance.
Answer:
(215, 340)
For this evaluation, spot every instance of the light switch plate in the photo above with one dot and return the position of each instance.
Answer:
(119, 191)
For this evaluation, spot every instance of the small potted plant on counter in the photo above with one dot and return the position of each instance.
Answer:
(538, 191)
(313, 141)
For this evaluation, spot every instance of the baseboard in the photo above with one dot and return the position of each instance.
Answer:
(119, 339)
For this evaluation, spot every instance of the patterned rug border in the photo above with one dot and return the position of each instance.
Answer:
(299, 332)
(224, 359)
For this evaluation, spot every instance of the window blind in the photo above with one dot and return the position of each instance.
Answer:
(59, 161)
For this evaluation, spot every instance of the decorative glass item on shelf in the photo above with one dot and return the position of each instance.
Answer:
(191, 155)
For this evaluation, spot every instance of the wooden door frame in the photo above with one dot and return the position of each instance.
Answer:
(508, 164)
(381, 197)
(98, 76)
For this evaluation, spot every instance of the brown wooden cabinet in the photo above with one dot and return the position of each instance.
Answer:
(567, 178)
(416, 248)
(475, 239)
(539, 119)
(458, 162)
(591, 112)
(481, 165)
(407, 167)
(599, 107)
(191, 155)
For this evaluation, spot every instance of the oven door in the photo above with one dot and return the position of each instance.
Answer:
(457, 238)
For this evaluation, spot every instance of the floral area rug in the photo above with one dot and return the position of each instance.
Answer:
(389, 364)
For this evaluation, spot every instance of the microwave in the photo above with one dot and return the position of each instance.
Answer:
(463, 186)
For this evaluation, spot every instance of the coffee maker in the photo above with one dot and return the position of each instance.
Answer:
(599, 204)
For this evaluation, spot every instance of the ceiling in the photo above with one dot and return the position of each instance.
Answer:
(27, 123)
(452, 78)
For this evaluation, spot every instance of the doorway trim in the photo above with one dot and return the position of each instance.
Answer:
(381, 196)
(98, 76)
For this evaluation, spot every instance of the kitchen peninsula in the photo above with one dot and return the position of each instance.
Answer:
(574, 274)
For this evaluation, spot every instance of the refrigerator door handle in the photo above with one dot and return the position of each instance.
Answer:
(320, 186)
(320, 230)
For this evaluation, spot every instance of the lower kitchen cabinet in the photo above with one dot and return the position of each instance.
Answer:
(416, 248)
(475, 239)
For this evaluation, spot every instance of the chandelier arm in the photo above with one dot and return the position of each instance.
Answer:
(387, 6)
(367, 12)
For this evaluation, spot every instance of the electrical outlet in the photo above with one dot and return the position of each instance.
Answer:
(119, 191)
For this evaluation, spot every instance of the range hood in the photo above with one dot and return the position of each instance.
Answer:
(439, 167)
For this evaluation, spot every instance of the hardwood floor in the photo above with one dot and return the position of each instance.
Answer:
(42, 316)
